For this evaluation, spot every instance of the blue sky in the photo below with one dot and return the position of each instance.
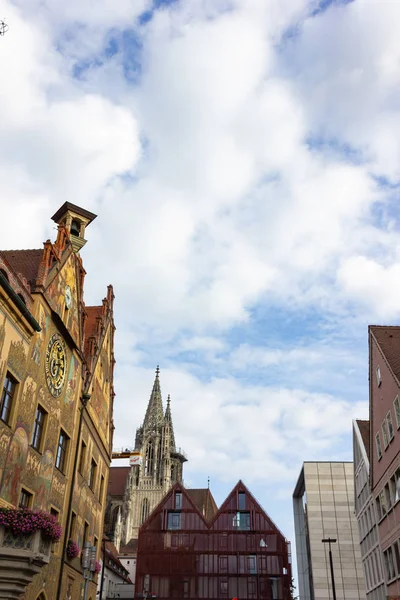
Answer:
(243, 159)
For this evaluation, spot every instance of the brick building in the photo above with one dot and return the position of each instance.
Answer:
(384, 376)
(56, 385)
(189, 549)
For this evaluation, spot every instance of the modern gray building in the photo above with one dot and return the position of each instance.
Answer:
(366, 516)
(323, 503)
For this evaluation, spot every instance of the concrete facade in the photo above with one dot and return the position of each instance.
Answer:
(323, 503)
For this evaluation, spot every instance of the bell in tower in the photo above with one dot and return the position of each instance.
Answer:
(75, 219)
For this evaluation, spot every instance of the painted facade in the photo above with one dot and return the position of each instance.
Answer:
(53, 349)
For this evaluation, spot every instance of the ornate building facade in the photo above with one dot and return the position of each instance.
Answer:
(56, 386)
(156, 463)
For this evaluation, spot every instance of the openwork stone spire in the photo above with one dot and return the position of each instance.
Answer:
(168, 421)
(154, 416)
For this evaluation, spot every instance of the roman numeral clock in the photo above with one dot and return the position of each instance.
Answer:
(56, 364)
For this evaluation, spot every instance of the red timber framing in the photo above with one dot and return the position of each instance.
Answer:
(239, 553)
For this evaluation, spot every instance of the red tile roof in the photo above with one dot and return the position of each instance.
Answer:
(93, 313)
(25, 262)
(204, 501)
(117, 480)
(388, 338)
(363, 426)
(129, 548)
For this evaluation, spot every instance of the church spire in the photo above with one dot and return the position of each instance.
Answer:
(168, 420)
(154, 416)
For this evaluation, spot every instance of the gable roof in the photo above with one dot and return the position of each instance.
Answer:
(240, 487)
(204, 501)
(388, 339)
(25, 262)
(117, 480)
(363, 427)
(196, 496)
(91, 324)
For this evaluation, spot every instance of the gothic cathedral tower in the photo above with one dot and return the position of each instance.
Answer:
(159, 465)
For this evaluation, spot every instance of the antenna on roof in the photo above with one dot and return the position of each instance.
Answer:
(3, 27)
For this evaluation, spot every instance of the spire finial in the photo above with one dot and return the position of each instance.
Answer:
(208, 482)
(168, 399)
(157, 370)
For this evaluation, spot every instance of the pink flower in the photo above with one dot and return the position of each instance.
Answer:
(25, 521)
(73, 549)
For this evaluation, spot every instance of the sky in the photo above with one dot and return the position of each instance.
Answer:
(243, 158)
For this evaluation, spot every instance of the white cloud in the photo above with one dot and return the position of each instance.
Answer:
(376, 287)
(251, 188)
(230, 429)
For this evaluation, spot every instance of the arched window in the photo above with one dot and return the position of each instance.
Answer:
(145, 510)
(149, 459)
(76, 227)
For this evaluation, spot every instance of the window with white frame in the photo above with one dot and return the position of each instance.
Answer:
(385, 434)
(378, 376)
(378, 446)
(390, 425)
(396, 404)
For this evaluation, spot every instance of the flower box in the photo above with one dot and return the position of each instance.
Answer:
(25, 547)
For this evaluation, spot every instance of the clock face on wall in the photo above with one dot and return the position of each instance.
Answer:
(56, 364)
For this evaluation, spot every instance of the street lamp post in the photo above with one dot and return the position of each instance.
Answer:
(331, 541)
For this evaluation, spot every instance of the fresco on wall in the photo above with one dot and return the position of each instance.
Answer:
(40, 336)
(27, 405)
(2, 333)
(15, 463)
(17, 358)
(56, 292)
(44, 480)
(100, 407)
(72, 381)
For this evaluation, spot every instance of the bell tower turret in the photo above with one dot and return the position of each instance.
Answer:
(75, 219)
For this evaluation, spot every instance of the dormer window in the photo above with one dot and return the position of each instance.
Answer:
(76, 228)
(378, 376)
